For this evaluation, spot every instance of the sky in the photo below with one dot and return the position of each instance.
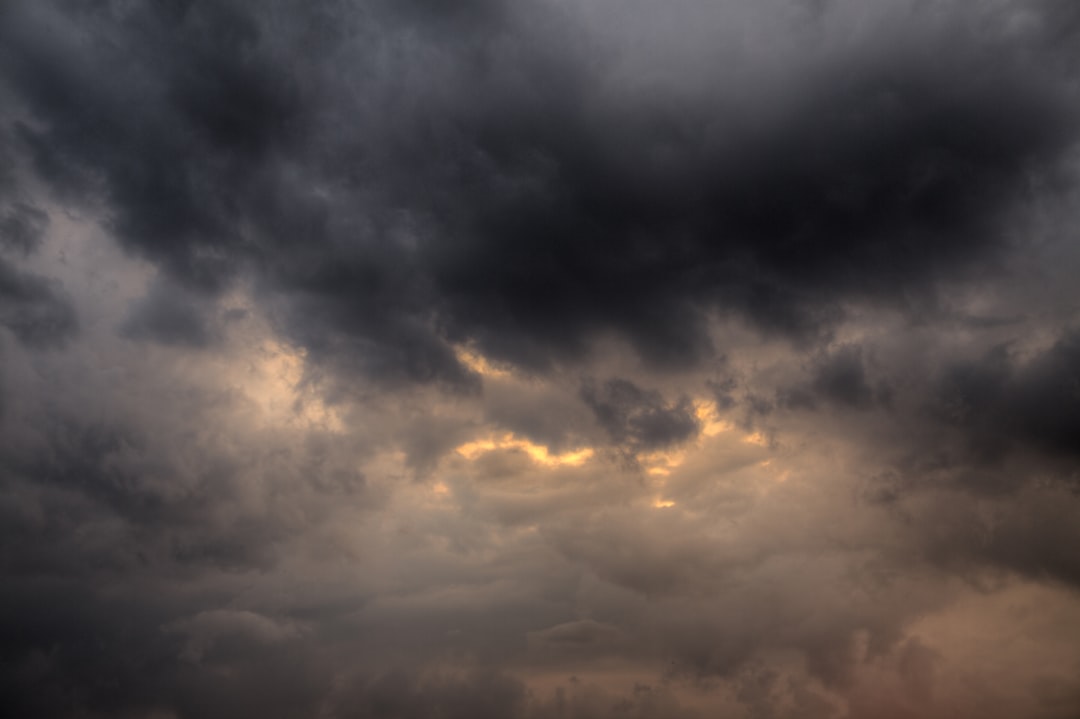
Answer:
(546, 359)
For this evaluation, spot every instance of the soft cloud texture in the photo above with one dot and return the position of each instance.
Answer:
(535, 360)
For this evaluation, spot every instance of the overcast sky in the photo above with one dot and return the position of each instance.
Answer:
(540, 359)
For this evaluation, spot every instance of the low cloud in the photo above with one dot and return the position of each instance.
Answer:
(538, 360)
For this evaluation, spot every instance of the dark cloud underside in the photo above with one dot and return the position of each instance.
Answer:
(539, 360)
(469, 175)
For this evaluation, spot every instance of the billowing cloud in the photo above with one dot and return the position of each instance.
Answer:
(536, 360)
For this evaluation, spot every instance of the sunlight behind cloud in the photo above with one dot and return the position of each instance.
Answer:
(537, 452)
(709, 417)
(661, 463)
(478, 363)
(535, 360)
(272, 378)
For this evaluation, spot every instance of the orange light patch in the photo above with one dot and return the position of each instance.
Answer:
(709, 417)
(272, 380)
(478, 363)
(756, 438)
(661, 464)
(537, 452)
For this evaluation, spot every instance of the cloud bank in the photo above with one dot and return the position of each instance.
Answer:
(539, 359)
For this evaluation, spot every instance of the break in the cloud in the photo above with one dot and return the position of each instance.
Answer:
(539, 359)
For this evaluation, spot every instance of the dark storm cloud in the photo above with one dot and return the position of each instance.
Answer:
(80, 472)
(34, 308)
(507, 195)
(840, 378)
(1044, 398)
(640, 419)
(162, 109)
(1001, 400)
(171, 316)
(878, 184)
(22, 227)
(113, 487)
(113, 493)
(391, 182)
(81, 653)
(398, 694)
(74, 652)
(1032, 533)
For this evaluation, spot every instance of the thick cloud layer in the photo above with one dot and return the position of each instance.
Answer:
(413, 176)
(534, 360)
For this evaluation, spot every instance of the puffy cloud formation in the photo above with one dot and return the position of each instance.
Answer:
(536, 360)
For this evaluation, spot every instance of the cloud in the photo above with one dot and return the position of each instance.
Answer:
(1001, 400)
(168, 316)
(22, 227)
(35, 310)
(839, 378)
(640, 419)
(206, 629)
(536, 360)
(513, 197)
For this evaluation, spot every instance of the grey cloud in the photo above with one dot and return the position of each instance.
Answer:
(384, 206)
(160, 504)
(208, 511)
(35, 309)
(644, 701)
(1045, 396)
(397, 694)
(839, 378)
(171, 316)
(576, 639)
(842, 378)
(22, 227)
(1028, 532)
(206, 629)
(767, 696)
(640, 419)
(432, 438)
(1001, 401)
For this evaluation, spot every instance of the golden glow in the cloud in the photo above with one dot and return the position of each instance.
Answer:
(478, 363)
(537, 452)
(272, 379)
(663, 463)
(756, 438)
(707, 415)
(660, 464)
(777, 476)
(661, 503)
